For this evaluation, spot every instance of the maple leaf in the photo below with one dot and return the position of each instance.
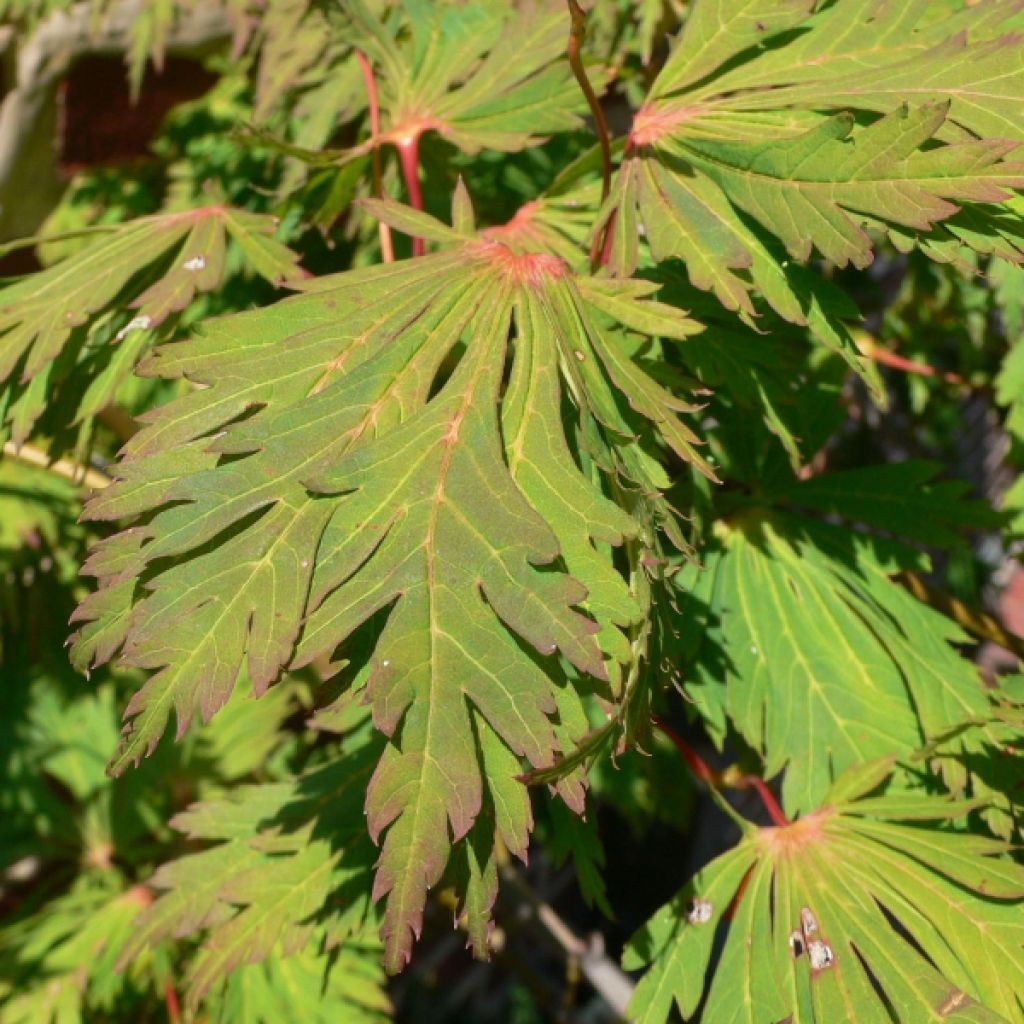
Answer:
(854, 912)
(50, 957)
(739, 172)
(355, 450)
(452, 75)
(94, 315)
(291, 863)
(345, 984)
(806, 645)
(436, 69)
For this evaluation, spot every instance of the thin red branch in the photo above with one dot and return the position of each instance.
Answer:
(700, 768)
(882, 355)
(172, 1004)
(706, 774)
(771, 805)
(386, 248)
(573, 49)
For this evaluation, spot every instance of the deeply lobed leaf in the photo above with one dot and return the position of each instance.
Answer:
(96, 314)
(857, 911)
(814, 655)
(354, 451)
(771, 134)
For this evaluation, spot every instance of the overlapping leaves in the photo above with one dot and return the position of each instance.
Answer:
(353, 451)
(345, 984)
(91, 317)
(290, 867)
(74, 842)
(860, 910)
(801, 640)
(453, 75)
(771, 135)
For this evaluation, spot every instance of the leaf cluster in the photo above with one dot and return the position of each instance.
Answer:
(689, 414)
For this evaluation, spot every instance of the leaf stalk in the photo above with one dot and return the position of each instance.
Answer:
(870, 348)
(703, 772)
(573, 50)
(409, 157)
(387, 250)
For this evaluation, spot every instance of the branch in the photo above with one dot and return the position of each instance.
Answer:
(573, 48)
(387, 250)
(604, 975)
(976, 622)
(83, 476)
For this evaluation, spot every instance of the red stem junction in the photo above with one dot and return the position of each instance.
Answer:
(706, 774)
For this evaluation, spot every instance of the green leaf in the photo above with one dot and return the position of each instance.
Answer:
(292, 861)
(385, 468)
(811, 189)
(729, 158)
(115, 295)
(846, 914)
(900, 498)
(817, 658)
(874, 56)
(717, 30)
(343, 985)
(452, 74)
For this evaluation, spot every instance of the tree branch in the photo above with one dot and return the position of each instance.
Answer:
(83, 476)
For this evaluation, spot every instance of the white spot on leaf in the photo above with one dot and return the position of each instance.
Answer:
(699, 911)
(796, 943)
(808, 922)
(196, 263)
(579, 355)
(820, 954)
(137, 323)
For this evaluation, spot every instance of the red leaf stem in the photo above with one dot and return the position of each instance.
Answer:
(409, 155)
(387, 250)
(577, 33)
(706, 774)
